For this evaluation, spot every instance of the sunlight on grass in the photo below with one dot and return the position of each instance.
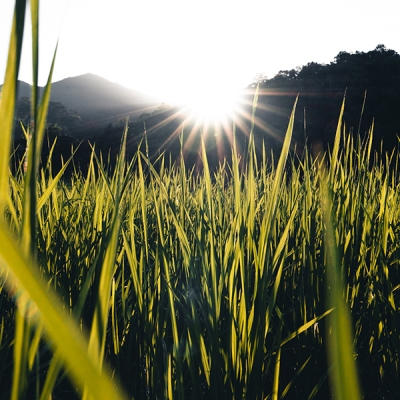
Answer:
(255, 279)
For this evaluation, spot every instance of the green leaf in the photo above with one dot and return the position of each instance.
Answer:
(9, 97)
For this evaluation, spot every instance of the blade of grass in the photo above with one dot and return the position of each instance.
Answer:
(340, 339)
(9, 96)
(98, 330)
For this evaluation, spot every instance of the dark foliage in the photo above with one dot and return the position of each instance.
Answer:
(373, 76)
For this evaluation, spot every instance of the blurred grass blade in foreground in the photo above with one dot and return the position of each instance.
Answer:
(9, 97)
(340, 341)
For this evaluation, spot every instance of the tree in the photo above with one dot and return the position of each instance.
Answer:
(342, 57)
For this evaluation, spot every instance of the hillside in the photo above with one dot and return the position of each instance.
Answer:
(88, 92)
(96, 100)
(369, 81)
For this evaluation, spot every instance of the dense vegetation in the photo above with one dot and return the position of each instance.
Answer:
(257, 280)
(220, 283)
(370, 81)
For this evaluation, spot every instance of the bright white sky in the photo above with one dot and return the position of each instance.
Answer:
(166, 47)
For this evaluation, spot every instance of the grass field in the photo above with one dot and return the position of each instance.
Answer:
(253, 281)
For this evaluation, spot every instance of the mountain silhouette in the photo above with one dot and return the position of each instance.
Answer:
(89, 91)
(97, 100)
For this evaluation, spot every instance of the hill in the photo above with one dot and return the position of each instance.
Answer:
(96, 100)
(91, 92)
(369, 81)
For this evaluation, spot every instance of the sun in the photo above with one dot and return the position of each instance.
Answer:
(207, 102)
(212, 105)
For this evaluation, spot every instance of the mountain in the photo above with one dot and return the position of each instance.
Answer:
(369, 82)
(24, 89)
(96, 100)
(89, 91)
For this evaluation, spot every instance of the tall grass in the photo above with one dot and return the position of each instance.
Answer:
(257, 282)
(39, 311)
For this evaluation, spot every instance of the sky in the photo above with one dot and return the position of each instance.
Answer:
(171, 48)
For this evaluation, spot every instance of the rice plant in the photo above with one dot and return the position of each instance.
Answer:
(150, 281)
